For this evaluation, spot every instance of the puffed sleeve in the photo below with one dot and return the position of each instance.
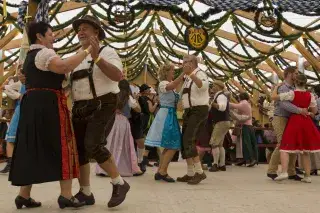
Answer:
(112, 57)
(313, 102)
(162, 86)
(287, 96)
(44, 57)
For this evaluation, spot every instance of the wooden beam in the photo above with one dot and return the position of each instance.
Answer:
(5, 40)
(256, 80)
(275, 68)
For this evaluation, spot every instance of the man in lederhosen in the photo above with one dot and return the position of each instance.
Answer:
(222, 124)
(195, 100)
(94, 85)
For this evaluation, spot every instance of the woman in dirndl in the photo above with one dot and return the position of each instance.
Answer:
(45, 148)
(165, 130)
(15, 92)
(120, 141)
(300, 135)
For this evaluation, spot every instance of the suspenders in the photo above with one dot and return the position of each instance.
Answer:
(86, 73)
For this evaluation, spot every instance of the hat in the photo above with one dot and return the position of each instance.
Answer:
(219, 84)
(95, 22)
(144, 87)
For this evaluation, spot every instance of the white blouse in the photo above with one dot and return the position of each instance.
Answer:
(162, 86)
(289, 96)
(132, 102)
(12, 89)
(43, 57)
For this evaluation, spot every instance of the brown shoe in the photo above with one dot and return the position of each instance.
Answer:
(184, 179)
(118, 194)
(197, 178)
(214, 168)
(222, 168)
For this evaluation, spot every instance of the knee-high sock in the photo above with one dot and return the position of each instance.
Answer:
(140, 155)
(216, 155)
(222, 157)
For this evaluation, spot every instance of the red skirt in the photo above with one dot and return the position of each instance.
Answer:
(300, 135)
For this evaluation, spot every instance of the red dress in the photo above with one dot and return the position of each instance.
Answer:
(300, 134)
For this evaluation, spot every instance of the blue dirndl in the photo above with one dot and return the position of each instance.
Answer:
(165, 130)
(12, 130)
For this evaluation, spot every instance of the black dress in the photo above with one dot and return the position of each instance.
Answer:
(45, 148)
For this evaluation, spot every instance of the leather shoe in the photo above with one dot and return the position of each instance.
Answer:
(272, 176)
(119, 193)
(295, 177)
(88, 199)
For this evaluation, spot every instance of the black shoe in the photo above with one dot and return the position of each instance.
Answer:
(240, 163)
(253, 163)
(314, 172)
(6, 169)
(272, 176)
(214, 168)
(28, 203)
(299, 171)
(88, 200)
(166, 177)
(222, 168)
(73, 202)
(156, 164)
(118, 194)
(142, 167)
(295, 177)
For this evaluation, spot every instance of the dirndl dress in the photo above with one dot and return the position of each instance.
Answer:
(300, 134)
(165, 130)
(12, 131)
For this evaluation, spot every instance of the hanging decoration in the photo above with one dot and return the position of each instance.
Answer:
(120, 15)
(197, 38)
(267, 20)
(22, 11)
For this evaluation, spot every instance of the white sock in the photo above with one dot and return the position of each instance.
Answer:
(216, 155)
(86, 190)
(140, 155)
(222, 156)
(117, 180)
(198, 168)
(190, 171)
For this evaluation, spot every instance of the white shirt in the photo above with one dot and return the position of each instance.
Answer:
(103, 85)
(199, 96)
(12, 89)
(222, 101)
(289, 96)
(132, 102)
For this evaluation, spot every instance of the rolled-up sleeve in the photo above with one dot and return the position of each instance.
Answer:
(204, 78)
(222, 101)
(112, 57)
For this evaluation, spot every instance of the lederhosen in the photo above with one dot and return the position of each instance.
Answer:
(193, 118)
(92, 120)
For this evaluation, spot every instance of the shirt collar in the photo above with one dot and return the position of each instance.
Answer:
(193, 72)
(288, 85)
(37, 46)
